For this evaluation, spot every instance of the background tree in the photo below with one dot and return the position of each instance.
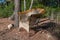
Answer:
(24, 5)
(16, 10)
(31, 4)
(15, 15)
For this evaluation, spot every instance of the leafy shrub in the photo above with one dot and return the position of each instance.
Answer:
(6, 11)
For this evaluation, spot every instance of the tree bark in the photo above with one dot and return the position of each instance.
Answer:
(31, 4)
(16, 10)
(52, 14)
(24, 5)
(15, 15)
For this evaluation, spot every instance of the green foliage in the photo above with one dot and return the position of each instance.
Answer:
(6, 11)
(50, 3)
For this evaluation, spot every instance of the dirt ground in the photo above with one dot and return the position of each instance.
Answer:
(15, 34)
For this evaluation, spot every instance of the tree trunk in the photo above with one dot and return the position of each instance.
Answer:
(15, 15)
(31, 4)
(52, 14)
(24, 5)
(16, 10)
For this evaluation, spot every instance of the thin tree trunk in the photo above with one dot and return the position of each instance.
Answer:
(24, 5)
(16, 10)
(15, 15)
(52, 14)
(31, 4)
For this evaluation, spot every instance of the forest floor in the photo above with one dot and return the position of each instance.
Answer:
(15, 34)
